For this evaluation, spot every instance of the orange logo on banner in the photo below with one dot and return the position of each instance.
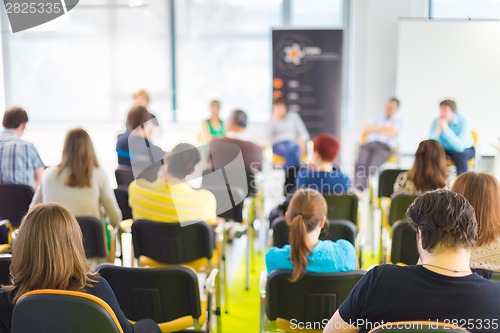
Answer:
(277, 83)
(277, 93)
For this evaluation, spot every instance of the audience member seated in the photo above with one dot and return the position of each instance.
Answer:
(220, 155)
(321, 175)
(78, 183)
(20, 162)
(306, 216)
(440, 288)
(429, 171)
(170, 198)
(213, 127)
(380, 142)
(134, 147)
(287, 133)
(483, 192)
(48, 254)
(453, 132)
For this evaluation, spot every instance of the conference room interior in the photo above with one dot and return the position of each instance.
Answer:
(83, 69)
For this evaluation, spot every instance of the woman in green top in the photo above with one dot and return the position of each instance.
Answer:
(214, 126)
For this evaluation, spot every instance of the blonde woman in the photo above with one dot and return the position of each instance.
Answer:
(48, 254)
(78, 183)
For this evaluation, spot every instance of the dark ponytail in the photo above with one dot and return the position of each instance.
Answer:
(306, 210)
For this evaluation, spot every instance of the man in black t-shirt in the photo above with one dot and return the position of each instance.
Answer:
(440, 289)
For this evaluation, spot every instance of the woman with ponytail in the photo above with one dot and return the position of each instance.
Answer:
(306, 216)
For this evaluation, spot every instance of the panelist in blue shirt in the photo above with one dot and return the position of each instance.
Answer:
(453, 132)
(306, 216)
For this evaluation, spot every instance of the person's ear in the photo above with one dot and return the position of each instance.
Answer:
(287, 218)
(322, 222)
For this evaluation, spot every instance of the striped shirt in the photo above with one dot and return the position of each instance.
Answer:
(18, 159)
(163, 202)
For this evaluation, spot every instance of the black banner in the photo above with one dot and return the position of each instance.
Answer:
(307, 71)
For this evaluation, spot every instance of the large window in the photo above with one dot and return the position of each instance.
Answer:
(465, 9)
(224, 50)
(83, 66)
(224, 53)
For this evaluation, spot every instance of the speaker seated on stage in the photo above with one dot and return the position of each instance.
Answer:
(287, 133)
(379, 144)
(453, 132)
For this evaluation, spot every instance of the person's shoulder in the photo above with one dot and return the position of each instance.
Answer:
(276, 251)
(329, 245)
(50, 172)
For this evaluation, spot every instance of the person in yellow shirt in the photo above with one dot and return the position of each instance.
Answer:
(170, 198)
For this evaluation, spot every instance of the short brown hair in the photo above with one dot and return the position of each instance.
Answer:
(430, 169)
(449, 103)
(137, 115)
(483, 192)
(14, 117)
(445, 219)
(142, 93)
(280, 101)
(48, 253)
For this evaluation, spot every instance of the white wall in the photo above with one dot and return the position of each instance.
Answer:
(372, 69)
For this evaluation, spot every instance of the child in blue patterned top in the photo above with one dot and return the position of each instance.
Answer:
(306, 216)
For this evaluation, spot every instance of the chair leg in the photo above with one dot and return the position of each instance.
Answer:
(218, 304)
(224, 270)
(247, 258)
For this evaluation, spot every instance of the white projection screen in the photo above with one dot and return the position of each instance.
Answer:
(449, 59)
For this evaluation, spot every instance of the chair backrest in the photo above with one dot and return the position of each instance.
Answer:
(5, 269)
(418, 326)
(313, 298)
(94, 240)
(63, 311)
(343, 207)
(162, 294)
(333, 230)
(124, 175)
(121, 194)
(15, 200)
(404, 243)
(386, 181)
(171, 243)
(399, 205)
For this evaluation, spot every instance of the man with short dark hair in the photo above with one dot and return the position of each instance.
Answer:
(453, 132)
(440, 288)
(20, 162)
(170, 198)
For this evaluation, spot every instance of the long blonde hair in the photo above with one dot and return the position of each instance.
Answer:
(307, 209)
(48, 253)
(482, 190)
(78, 158)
